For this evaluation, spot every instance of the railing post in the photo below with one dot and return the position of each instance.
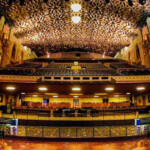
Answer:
(93, 133)
(59, 131)
(126, 130)
(76, 132)
(110, 131)
(26, 130)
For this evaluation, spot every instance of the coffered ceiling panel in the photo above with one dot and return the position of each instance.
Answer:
(46, 25)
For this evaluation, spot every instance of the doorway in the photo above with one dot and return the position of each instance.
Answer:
(75, 103)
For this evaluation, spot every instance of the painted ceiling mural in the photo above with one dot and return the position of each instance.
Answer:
(47, 26)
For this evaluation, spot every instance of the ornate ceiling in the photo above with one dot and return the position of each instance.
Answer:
(104, 27)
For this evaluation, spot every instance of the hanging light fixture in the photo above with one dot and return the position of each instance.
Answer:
(76, 7)
(76, 19)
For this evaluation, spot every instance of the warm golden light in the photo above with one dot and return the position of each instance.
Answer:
(43, 89)
(76, 19)
(109, 89)
(76, 7)
(10, 88)
(75, 96)
(34, 95)
(128, 93)
(76, 89)
(116, 95)
(96, 96)
(55, 96)
(140, 88)
(23, 93)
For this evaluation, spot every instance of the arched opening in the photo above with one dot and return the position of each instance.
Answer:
(13, 52)
(138, 58)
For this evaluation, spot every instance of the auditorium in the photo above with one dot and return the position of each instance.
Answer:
(74, 74)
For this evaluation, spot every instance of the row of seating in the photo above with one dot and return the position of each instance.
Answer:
(135, 72)
(100, 105)
(122, 65)
(16, 72)
(46, 72)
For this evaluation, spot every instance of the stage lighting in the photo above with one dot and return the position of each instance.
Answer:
(142, 2)
(130, 2)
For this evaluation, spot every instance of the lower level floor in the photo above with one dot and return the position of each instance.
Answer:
(136, 144)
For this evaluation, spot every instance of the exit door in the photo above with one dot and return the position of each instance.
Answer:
(76, 103)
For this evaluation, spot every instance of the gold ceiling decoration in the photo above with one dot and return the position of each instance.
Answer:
(48, 26)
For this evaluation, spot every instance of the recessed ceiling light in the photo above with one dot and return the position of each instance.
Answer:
(75, 96)
(76, 7)
(76, 19)
(128, 93)
(10, 88)
(116, 95)
(76, 89)
(55, 96)
(140, 88)
(109, 89)
(43, 89)
(23, 93)
(96, 96)
(34, 95)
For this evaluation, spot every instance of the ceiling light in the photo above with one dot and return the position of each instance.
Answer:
(128, 93)
(109, 89)
(10, 88)
(43, 89)
(75, 96)
(116, 96)
(140, 88)
(34, 95)
(76, 19)
(76, 7)
(76, 89)
(23, 93)
(96, 96)
(55, 96)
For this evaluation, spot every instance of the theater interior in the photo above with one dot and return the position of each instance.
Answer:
(74, 74)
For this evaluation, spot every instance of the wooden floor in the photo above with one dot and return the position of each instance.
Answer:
(140, 144)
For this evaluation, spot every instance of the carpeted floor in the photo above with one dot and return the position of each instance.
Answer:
(139, 144)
